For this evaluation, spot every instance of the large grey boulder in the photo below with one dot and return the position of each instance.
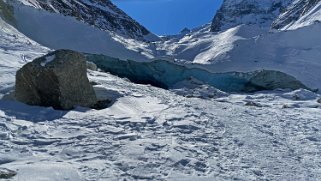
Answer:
(58, 79)
(271, 80)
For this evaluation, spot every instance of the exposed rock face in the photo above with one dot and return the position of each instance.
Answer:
(102, 14)
(6, 12)
(250, 12)
(271, 80)
(294, 12)
(267, 14)
(58, 79)
(6, 173)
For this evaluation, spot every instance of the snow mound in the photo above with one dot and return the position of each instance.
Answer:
(301, 94)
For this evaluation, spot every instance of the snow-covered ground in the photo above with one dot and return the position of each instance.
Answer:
(154, 134)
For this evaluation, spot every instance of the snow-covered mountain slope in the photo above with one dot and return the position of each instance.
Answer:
(248, 48)
(15, 50)
(250, 12)
(102, 14)
(300, 13)
(149, 133)
(267, 14)
(65, 32)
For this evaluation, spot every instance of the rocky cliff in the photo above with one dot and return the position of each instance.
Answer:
(249, 12)
(294, 12)
(102, 14)
(267, 14)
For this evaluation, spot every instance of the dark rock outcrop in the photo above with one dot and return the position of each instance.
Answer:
(294, 12)
(249, 12)
(267, 14)
(58, 79)
(270, 80)
(6, 173)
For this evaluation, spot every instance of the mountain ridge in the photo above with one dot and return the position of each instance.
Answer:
(249, 12)
(245, 45)
(267, 14)
(294, 12)
(102, 14)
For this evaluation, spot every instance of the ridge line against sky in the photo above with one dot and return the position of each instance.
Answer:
(168, 17)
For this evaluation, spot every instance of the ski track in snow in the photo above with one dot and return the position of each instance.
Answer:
(153, 134)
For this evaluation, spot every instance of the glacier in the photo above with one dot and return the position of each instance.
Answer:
(249, 48)
(243, 48)
(166, 74)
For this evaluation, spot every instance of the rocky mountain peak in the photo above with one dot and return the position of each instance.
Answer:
(294, 12)
(102, 14)
(250, 12)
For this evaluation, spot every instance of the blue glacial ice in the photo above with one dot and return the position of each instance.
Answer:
(165, 74)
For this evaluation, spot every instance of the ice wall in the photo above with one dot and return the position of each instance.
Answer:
(166, 74)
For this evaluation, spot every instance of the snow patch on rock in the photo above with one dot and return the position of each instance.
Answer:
(47, 60)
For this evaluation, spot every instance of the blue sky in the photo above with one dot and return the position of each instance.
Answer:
(169, 16)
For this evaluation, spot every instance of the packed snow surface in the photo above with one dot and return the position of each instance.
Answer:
(154, 134)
